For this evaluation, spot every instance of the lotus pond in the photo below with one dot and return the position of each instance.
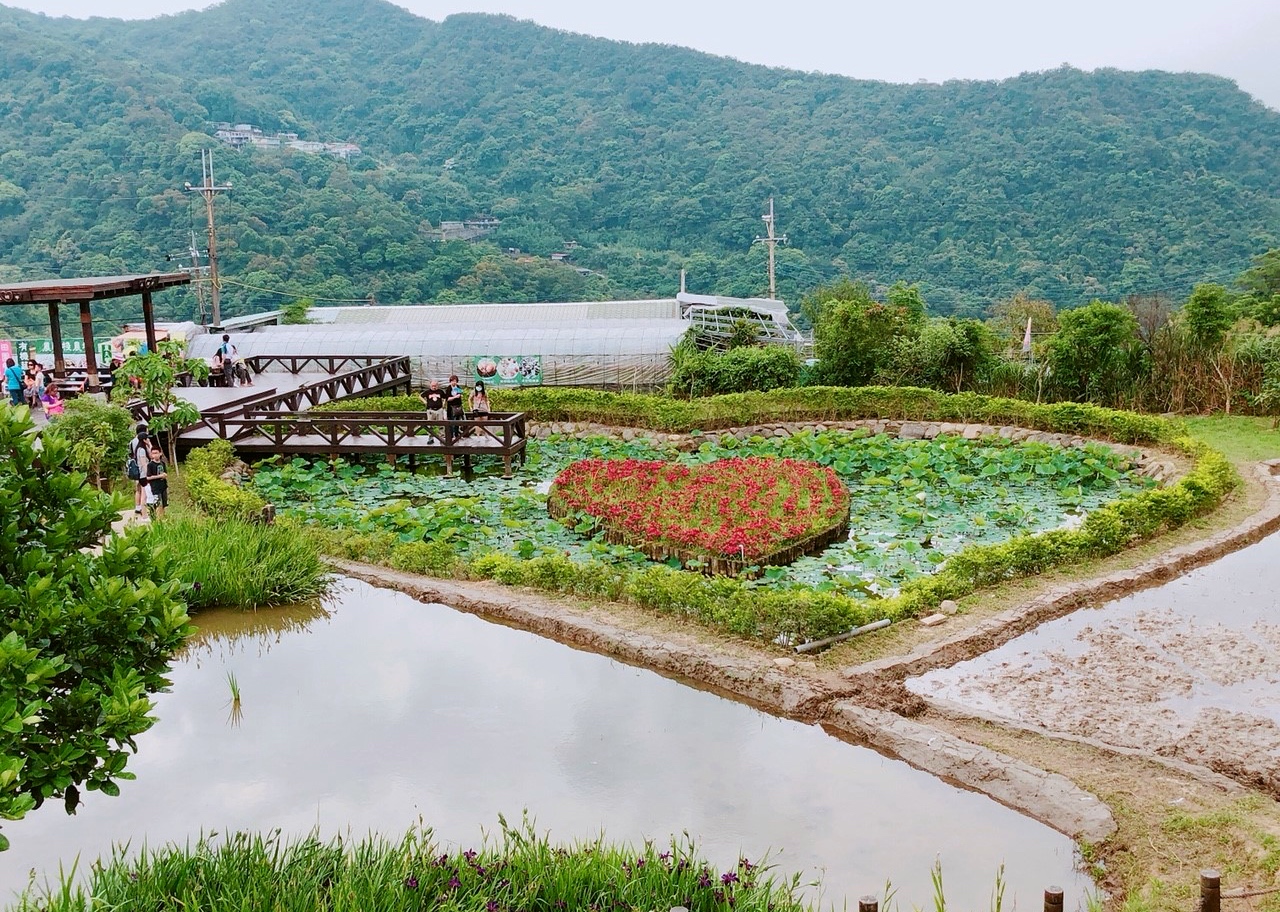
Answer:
(913, 502)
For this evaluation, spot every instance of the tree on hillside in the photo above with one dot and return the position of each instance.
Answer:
(1096, 354)
(87, 636)
(855, 335)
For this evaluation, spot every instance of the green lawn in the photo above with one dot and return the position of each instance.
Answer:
(1242, 438)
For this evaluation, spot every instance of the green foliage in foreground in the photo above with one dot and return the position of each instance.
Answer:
(214, 496)
(829, 403)
(86, 636)
(230, 563)
(520, 871)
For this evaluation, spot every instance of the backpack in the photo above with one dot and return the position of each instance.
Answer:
(132, 470)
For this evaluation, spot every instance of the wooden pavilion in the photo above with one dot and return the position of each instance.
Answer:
(84, 292)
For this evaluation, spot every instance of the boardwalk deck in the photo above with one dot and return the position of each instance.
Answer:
(273, 417)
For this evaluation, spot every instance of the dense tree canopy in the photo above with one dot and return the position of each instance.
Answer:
(1066, 185)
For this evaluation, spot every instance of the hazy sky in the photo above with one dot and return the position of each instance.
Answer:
(898, 40)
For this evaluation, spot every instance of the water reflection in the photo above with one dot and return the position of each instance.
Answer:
(384, 710)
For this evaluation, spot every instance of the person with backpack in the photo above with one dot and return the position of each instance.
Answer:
(234, 370)
(135, 468)
(14, 382)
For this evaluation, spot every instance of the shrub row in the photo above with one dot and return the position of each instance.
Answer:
(829, 403)
(739, 370)
(374, 404)
(214, 496)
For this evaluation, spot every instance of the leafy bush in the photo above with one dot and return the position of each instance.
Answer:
(87, 636)
(739, 370)
(214, 496)
(98, 436)
(231, 563)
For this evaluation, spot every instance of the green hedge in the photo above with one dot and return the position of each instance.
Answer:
(829, 403)
(215, 497)
(374, 404)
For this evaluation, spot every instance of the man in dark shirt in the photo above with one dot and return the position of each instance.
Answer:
(435, 401)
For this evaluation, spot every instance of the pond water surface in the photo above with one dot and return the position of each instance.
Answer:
(380, 710)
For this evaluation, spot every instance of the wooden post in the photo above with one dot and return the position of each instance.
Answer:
(55, 333)
(149, 321)
(90, 356)
(1053, 899)
(448, 463)
(1210, 891)
(868, 903)
(391, 460)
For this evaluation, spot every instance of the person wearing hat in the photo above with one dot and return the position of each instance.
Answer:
(139, 453)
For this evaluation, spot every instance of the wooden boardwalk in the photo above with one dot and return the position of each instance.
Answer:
(273, 416)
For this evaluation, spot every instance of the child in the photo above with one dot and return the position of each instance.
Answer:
(52, 401)
(157, 478)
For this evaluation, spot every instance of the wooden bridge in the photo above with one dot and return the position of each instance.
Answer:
(272, 417)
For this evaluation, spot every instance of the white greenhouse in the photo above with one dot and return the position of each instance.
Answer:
(612, 344)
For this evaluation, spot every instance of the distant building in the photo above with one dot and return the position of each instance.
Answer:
(238, 136)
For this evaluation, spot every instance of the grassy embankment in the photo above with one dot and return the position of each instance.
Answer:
(521, 871)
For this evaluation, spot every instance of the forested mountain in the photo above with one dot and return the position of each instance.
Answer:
(1066, 185)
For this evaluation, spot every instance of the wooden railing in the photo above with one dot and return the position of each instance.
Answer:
(392, 434)
(348, 376)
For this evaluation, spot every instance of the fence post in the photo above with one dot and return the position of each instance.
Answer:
(1053, 899)
(1210, 891)
(868, 903)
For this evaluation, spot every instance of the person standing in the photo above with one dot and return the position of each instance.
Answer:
(434, 400)
(479, 401)
(453, 405)
(230, 359)
(14, 382)
(139, 455)
(157, 477)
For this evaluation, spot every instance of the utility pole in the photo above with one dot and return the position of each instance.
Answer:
(208, 189)
(773, 241)
(196, 271)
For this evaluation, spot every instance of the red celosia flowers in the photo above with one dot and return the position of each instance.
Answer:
(748, 509)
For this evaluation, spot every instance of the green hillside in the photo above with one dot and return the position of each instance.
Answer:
(1067, 185)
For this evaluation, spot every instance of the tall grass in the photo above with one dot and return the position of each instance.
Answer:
(519, 870)
(229, 563)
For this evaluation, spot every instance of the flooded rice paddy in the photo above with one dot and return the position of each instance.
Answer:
(1189, 670)
(378, 711)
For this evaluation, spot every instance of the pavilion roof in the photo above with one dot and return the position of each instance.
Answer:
(93, 288)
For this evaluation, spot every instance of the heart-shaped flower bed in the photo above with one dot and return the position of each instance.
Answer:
(726, 515)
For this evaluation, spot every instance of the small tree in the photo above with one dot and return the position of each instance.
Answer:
(855, 336)
(154, 377)
(1096, 354)
(87, 636)
(97, 435)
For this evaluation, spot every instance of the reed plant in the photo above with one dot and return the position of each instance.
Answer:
(517, 870)
(230, 563)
